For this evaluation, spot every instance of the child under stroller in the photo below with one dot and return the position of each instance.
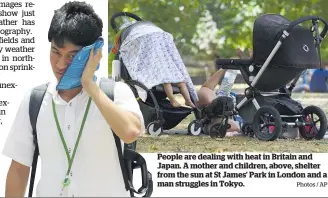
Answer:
(283, 50)
(149, 60)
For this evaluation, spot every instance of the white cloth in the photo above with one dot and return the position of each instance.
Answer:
(96, 170)
(152, 58)
(141, 30)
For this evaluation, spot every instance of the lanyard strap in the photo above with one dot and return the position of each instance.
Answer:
(70, 159)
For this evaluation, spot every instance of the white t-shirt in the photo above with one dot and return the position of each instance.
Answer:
(96, 170)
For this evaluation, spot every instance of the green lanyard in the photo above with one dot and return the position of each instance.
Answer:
(67, 181)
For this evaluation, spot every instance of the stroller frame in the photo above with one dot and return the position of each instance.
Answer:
(251, 92)
(214, 117)
(155, 118)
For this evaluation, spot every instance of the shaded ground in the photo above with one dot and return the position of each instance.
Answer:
(170, 142)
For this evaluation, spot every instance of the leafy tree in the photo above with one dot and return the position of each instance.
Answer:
(205, 29)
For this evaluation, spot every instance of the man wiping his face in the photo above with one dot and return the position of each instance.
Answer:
(75, 121)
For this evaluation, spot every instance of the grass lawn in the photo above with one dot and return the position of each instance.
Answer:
(201, 144)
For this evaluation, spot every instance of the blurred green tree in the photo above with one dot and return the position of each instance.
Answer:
(205, 29)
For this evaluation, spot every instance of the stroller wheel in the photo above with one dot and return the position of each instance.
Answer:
(218, 130)
(247, 130)
(206, 128)
(267, 123)
(315, 123)
(194, 128)
(154, 129)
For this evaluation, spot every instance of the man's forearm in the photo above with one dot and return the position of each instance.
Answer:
(125, 124)
(16, 181)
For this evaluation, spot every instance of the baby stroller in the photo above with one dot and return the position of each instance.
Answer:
(282, 51)
(158, 113)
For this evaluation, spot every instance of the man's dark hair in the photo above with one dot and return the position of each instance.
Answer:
(77, 23)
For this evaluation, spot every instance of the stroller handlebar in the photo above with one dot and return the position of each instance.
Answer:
(120, 14)
(233, 64)
(308, 18)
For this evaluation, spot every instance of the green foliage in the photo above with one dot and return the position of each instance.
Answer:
(205, 29)
(179, 17)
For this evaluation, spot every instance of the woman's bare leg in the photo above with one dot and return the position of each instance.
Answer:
(169, 92)
(205, 97)
(214, 80)
(234, 126)
(185, 94)
(206, 93)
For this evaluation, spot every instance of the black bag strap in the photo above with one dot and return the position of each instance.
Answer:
(107, 86)
(129, 158)
(36, 99)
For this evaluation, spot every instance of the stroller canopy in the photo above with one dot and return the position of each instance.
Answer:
(297, 51)
(150, 56)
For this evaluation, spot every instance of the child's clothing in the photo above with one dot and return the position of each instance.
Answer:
(151, 57)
